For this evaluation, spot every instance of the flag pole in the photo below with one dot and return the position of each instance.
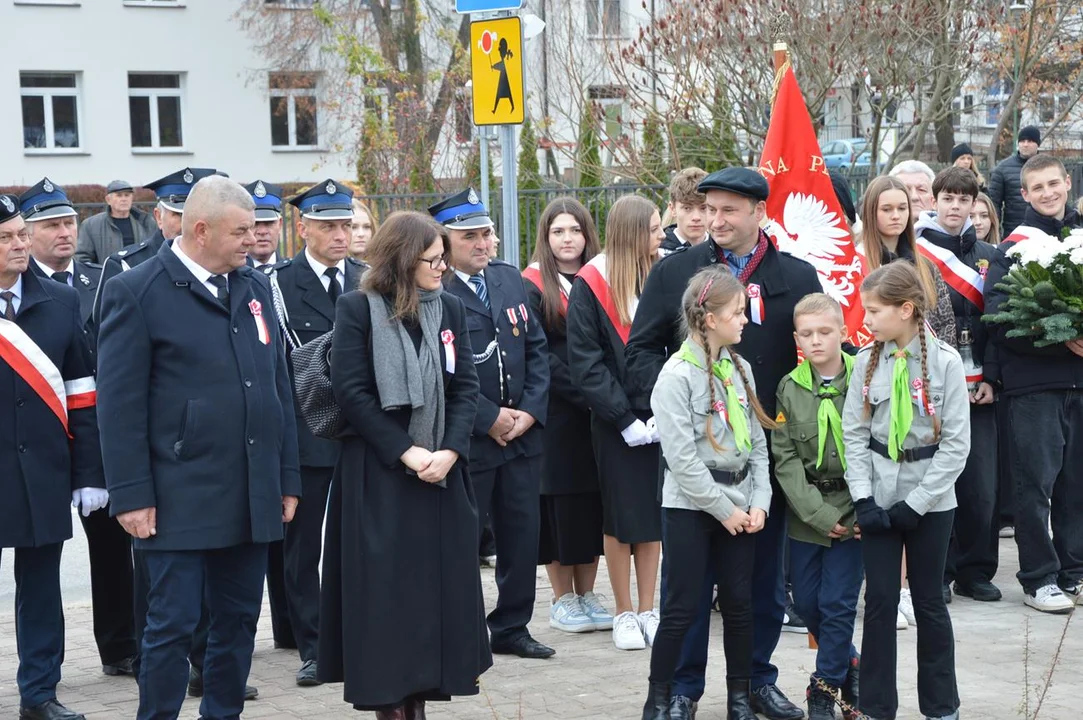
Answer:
(780, 30)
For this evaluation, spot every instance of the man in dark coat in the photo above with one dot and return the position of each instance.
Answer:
(505, 453)
(53, 233)
(201, 443)
(310, 285)
(1005, 187)
(50, 457)
(776, 282)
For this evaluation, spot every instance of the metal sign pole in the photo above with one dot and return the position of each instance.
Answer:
(509, 236)
(483, 138)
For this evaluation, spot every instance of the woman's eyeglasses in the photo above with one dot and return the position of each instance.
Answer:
(436, 262)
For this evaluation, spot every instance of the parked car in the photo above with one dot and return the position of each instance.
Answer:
(842, 154)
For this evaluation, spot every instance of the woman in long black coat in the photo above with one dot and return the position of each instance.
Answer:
(402, 616)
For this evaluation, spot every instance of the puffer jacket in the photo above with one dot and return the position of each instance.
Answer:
(1005, 187)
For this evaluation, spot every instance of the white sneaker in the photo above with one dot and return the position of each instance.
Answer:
(1049, 599)
(649, 622)
(594, 608)
(900, 621)
(906, 608)
(1008, 531)
(627, 635)
(566, 615)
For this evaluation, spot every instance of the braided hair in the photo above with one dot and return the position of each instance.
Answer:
(709, 292)
(897, 284)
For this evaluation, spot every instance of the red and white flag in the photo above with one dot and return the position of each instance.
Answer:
(804, 216)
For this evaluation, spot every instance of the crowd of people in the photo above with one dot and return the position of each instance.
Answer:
(677, 398)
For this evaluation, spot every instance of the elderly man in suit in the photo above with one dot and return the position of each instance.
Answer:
(51, 220)
(201, 443)
(50, 453)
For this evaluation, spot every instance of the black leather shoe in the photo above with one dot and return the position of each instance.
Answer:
(195, 685)
(49, 710)
(306, 676)
(739, 701)
(947, 594)
(982, 591)
(525, 647)
(656, 706)
(682, 708)
(769, 700)
(124, 667)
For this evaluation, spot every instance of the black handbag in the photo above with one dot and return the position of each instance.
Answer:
(311, 363)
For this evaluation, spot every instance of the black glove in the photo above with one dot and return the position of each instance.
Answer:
(871, 518)
(902, 516)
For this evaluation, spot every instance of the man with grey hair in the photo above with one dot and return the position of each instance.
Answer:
(918, 179)
(118, 227)
(201, 443)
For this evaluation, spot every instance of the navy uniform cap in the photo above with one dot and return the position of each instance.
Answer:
(45, 200)
(462, 211)
(325, 201)
(268, 200)
(9, 207)
(737, 180)
(172, 190)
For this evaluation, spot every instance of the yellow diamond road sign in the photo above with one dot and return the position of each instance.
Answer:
(496, 71)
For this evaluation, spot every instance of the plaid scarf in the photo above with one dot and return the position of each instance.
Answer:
(754, 262)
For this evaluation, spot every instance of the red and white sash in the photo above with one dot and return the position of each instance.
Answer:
(964, 279)
(533, 274)
(30, 363)
(595, 275)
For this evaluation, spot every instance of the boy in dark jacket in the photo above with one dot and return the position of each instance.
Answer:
(1046, 412)
(947, 238)
(825, 566)
(688, 207)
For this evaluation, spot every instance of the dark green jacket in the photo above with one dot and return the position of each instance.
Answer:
(813, 511)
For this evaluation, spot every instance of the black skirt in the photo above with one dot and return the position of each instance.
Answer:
(628, 476)
(571, 529)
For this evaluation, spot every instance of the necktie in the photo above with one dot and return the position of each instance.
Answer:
(333, 290)
(828, 419)
(9, 309)
(732, 409)
(478, 281)
(902, 409)
(62, 277)
(221, 287)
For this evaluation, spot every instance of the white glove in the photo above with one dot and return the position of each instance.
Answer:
(91, 498)
(652, 428)
(636, 434)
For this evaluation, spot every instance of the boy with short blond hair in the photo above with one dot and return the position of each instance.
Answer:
(688, 208)
(825, 565)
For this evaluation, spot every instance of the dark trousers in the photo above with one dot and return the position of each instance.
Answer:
(39, 622)
(301, 553)
(141, 584)
(281, 627)
(697, 545)
(768, 609)
(974, 552)
(926, 551)
(231, 581)
(1048, 463)
(111, 588)
(826, 585)
(1006, 490)
(509, 494)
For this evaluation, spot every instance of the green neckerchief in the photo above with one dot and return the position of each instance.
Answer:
(735, 412)
(902, 409)
(827, 416)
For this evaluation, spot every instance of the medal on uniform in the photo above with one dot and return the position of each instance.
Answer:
(514, 319)
(755, 304)
(448, 339)
(522, 312)
(261, 326)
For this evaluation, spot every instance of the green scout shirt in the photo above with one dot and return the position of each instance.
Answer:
(813, 511)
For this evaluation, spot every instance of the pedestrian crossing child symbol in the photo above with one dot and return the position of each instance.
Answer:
(497, 71)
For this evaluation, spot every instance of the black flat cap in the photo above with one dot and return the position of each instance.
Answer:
(737, 180)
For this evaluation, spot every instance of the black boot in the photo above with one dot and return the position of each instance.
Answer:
(738, 700)
(849, 689)
(821, 700)
(657, 705)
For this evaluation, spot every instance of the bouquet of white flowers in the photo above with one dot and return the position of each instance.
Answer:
(1045, 290)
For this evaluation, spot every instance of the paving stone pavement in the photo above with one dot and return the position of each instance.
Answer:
(588, 678)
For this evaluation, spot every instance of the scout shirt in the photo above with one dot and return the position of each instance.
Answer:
(681, 402)
(926, 485)
(814, 484)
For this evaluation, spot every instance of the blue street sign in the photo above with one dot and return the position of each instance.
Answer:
(478, 6)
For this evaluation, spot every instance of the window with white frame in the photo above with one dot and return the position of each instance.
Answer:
(50, 107)
(603, 18)
(155, 110)
(293, 110)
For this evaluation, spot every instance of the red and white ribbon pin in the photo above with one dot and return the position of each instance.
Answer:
(755, 303)
(261, 326)
(448, 339)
